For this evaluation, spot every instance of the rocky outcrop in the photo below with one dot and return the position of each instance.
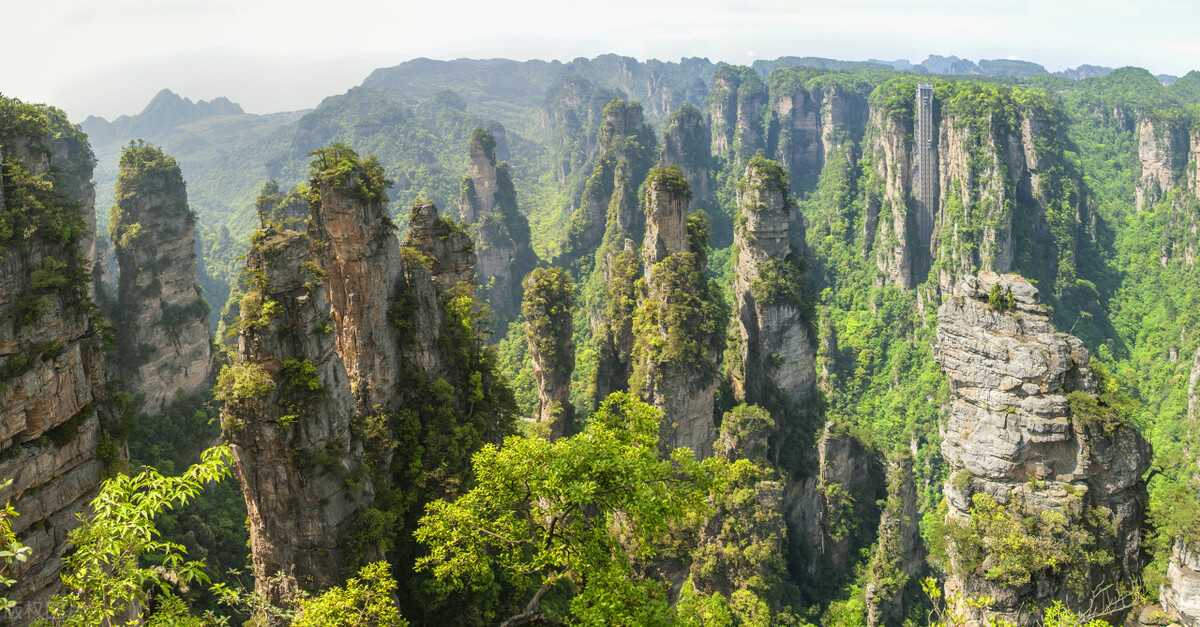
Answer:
(288, 415)
(55, 418)
(667, 196)
(500, 231)
(824, 509)
(1162, 149)
(1180, 595)
(608, 211)
(354, 350)
(899, 554)
(687, 144)
(548, 304)
(679, 324)
(162, 321)
(737, 103)
(993, 166)
(807, 121)
(1026, 432)
(775, 363)
(355, 242)
(447, 249)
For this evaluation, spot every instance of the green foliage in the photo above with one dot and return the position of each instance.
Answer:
(340, 168)
(12, 552)
(1010, 544)
(679, 328)
(365, 600)
(1108, 411)
(1001, 302)
(547, 512)
(243, 383)
(780, 283)
(547, 306)
(105, 572)
(669, 179)
(41, 207)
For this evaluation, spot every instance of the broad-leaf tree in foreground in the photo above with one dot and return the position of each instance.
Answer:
(579, 511)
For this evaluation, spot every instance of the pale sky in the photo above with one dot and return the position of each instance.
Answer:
(110, 57)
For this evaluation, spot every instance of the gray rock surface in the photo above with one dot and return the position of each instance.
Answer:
(162, 318)
(1010, 433)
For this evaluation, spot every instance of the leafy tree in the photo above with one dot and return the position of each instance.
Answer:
(107, 573)
(11, 550)
(577, 511)
(366, 601)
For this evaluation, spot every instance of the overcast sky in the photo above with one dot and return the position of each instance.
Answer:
(110, 57)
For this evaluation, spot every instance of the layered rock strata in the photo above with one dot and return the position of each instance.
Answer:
(54, 409)
(162, 321)
(500, 232)
(687, 143)
(776, 358)
(1013, 437)
(678, 324)
(289, 407)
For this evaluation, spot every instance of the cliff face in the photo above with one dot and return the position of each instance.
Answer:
(1180, 595)
(687, 143)
(807, 122)
(823, 509)
(354, 351)
(679, 324)
(162, 327)
(608, 211)
(289, 411)
(501, 233)
(356, 246)
(775, 363)
(1023, 436)
(1163, 151)
(990, 166)
(547, 306)
(737, 104)
(899, 554)
(53, 404)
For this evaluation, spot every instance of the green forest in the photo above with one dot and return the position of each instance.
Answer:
(614, 342)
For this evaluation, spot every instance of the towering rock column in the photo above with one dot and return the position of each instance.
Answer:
(356, 244)
(678, 326)
(776, 357)
(53, 406)
(288, 415)
(162, 326)
(608, 212)
(500, 231)
(548, 305)
(687, 144)
(1027, 437)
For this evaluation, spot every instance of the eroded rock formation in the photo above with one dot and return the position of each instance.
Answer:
(987, 177)
(501, 232)
(775, 356)
(288, 414)
(54, 409)
(1020, 438)
(687, 144)
(608, 212)
(547, 305)
(678, 326)
(161, 319)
